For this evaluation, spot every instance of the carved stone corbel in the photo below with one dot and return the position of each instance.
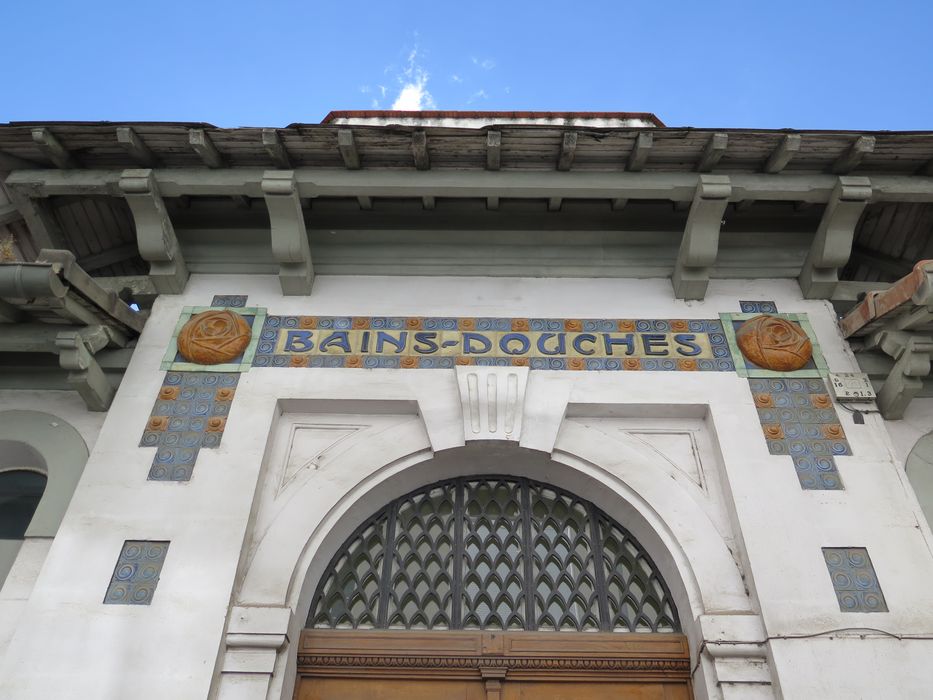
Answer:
(289, 234)
(76, 351)
(912, 362)
(155, 234)
(700, 244)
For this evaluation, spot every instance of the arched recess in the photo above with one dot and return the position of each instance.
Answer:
(919, 469)
(630, 485)
(44, 443)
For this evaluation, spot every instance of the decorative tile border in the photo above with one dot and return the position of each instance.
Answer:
(254, 316)
(189, 414)
(443, 342)
(758, 307)
(798, 419)
(229, 301)
(136, 574)
(816, 368)
(854, 579)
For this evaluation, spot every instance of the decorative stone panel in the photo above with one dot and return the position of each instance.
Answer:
(493, 400)
(229, 301)
(854, 579)
(757, 307)
(137, 573)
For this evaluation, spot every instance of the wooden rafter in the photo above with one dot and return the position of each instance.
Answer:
(419, 150)
(493, 150)
(713, 152)
(641, 149)
(201, 142)
(782, 155)
(136, 148)
(850, 158)
(53, 149)
(272, 142)
(568, 148)
(346, 144)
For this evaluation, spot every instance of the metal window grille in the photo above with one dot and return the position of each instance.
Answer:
(493, 552)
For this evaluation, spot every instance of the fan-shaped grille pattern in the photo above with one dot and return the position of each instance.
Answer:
(493, 553)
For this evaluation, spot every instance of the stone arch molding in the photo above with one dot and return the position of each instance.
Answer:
(629, 484)
(64, 454)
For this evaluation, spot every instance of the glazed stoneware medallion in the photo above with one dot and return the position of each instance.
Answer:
(214, 337)
(774, 343)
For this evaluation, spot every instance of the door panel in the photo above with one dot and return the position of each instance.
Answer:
(389, 689)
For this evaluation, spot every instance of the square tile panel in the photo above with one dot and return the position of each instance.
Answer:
(229, 301)
(854, 579)
(799, 420)
(758, 307)
(136, 574)
(189, 414)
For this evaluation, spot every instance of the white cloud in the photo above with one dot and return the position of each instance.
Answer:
(414, 94)
(485, 63)
(456, 78)
(478, 95)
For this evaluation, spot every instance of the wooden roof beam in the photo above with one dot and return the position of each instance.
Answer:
(272, 142)
(136, 148)
(783, 153)
(200, 141)
(555, 203)
(428, 202)
(641, 149)
(346, 144)
(41, 221)
(568, 148)
(852, 156)
(493, 150)
(832, 244)
(290, 245)
(155, 234)
(53, 149)
(699, 246)
(419, 150)
(9, 213)
(713, 152)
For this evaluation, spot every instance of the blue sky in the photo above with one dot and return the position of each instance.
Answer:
(820, 64)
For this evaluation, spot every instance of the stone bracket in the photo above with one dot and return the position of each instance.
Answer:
(912, 362)
(493, 401)
(290, 245)
(155, 234)
(832, 244)
(76, 354)
(255, 636)
(700, 244)
(736, 649)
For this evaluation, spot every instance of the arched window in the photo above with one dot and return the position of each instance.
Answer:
(497, 553)
(20, 493)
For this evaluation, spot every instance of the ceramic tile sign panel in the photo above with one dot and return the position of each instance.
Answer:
(854, 579)
(189, 414)
(229, 301)
(798, 419)
(136, 574)
(758, 307)
(538, 343)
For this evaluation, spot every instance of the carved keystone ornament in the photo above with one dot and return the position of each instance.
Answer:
(774, 343)
(214, 337)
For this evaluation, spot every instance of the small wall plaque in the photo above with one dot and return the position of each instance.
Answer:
(851, 387)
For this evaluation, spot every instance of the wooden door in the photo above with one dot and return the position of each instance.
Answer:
(380, 665)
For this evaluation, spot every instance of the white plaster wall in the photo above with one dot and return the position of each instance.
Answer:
(224, 527)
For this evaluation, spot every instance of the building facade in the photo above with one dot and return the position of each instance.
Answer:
(476, 405)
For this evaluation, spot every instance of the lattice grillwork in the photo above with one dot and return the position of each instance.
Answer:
(493, 553)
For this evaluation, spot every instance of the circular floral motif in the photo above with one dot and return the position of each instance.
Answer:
(774, 343)
(213, 337)
(520, 324)
(573, 324)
